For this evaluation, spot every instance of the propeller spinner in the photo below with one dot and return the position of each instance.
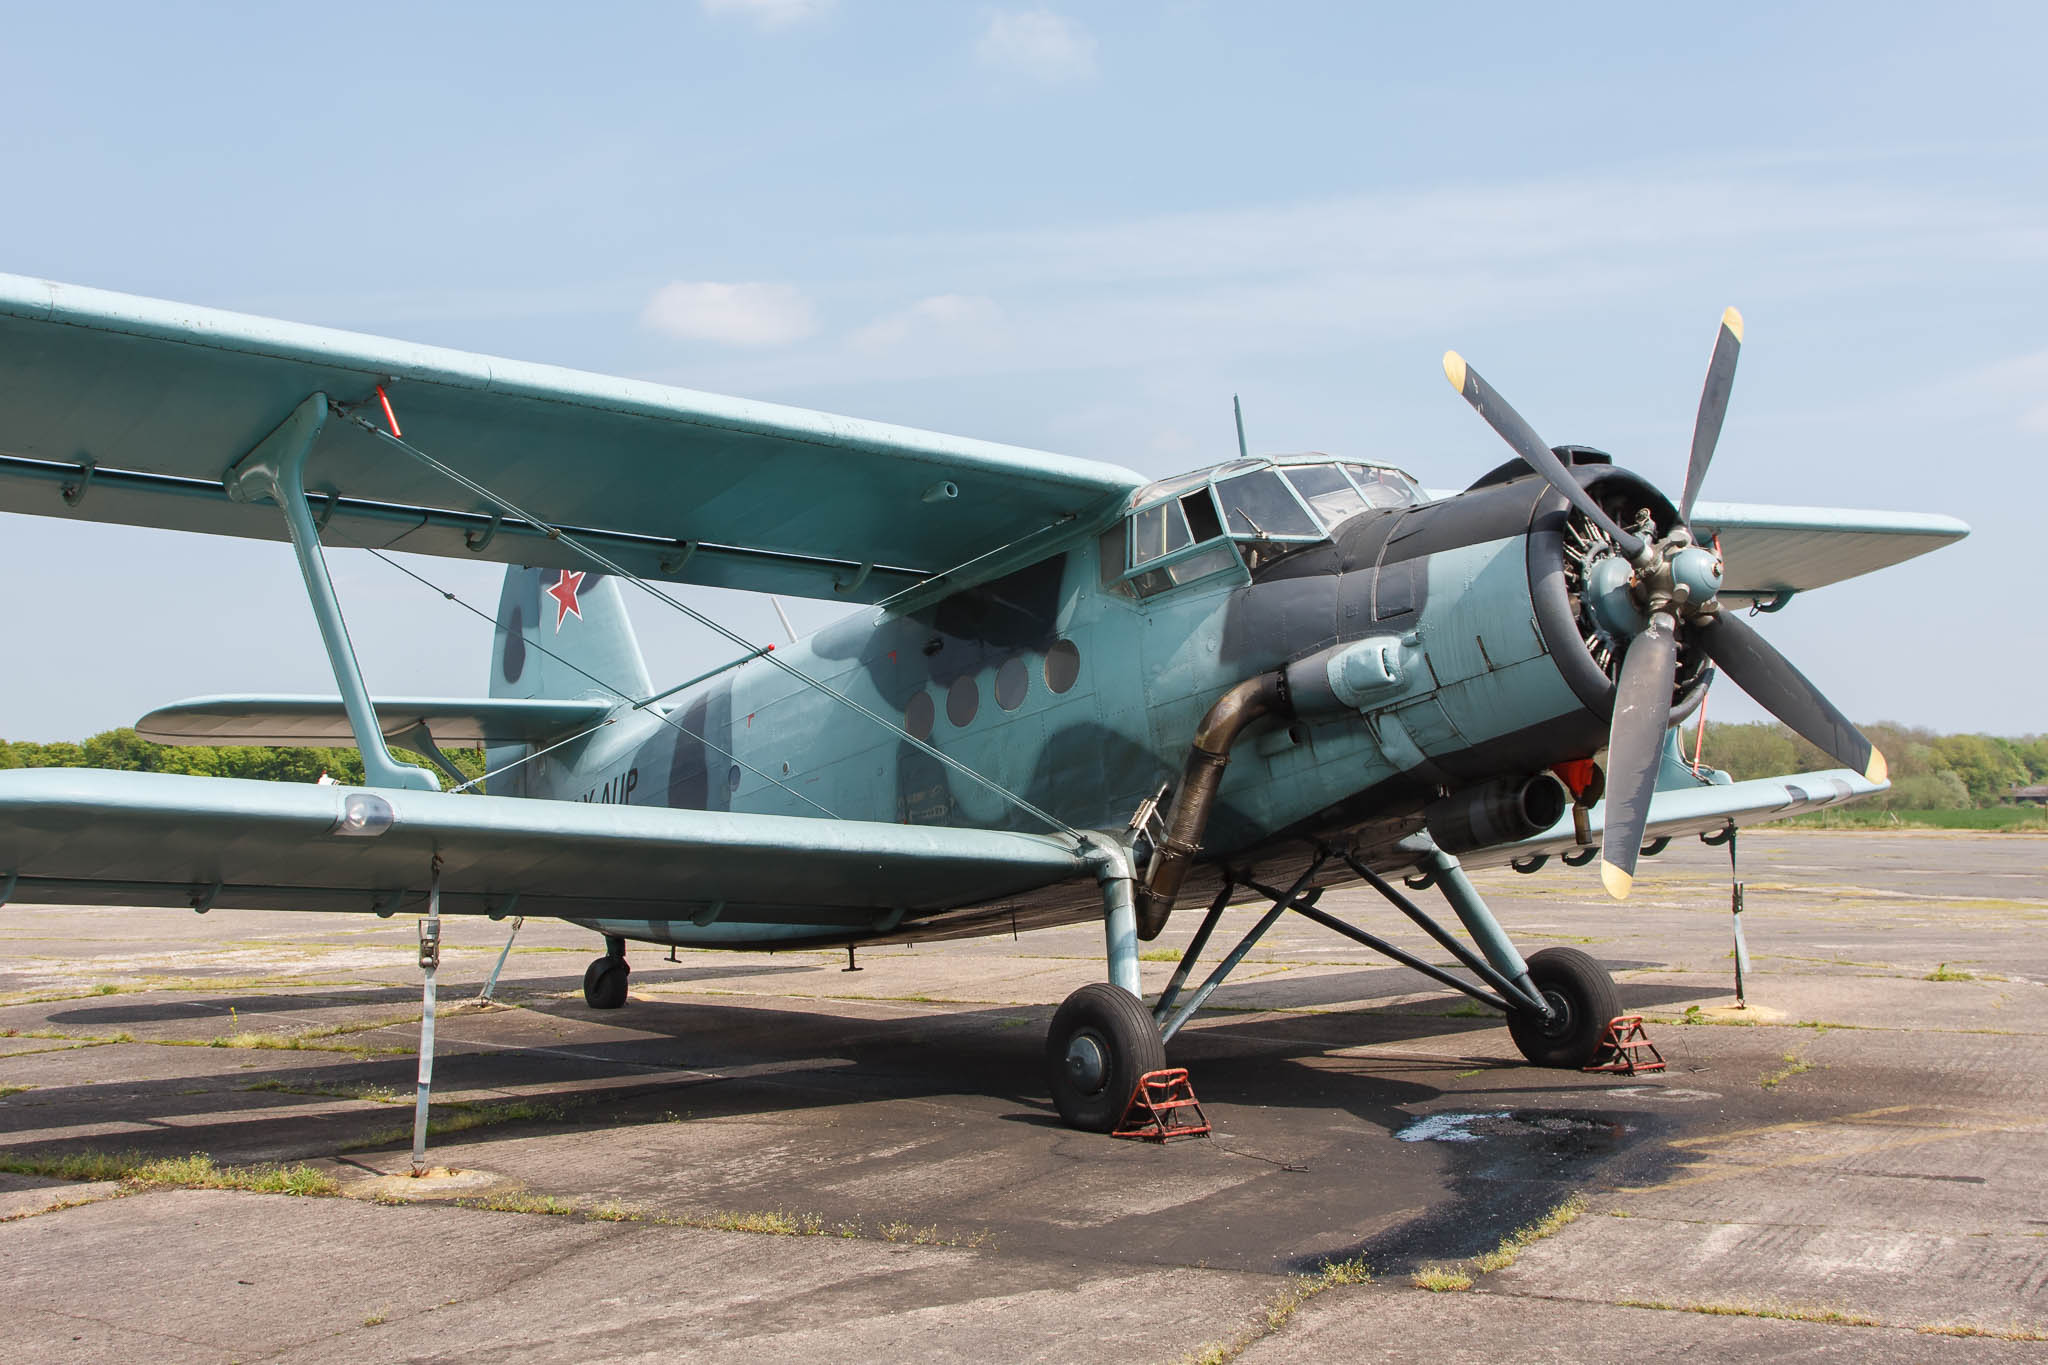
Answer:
(1650, 591)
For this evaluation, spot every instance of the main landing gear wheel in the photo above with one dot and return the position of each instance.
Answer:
(604, 982)
(1582, 994)
(1102, 1040)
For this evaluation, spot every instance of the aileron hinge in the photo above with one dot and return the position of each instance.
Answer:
(672, 563)
(859, 578)
(478, 541)
(74, 491)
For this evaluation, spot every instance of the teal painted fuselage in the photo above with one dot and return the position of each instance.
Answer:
(1076, 684)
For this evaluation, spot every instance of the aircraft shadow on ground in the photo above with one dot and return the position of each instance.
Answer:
(752, 1060)
(195, 1003)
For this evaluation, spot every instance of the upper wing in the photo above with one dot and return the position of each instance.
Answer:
(1701, 809)
(321, 721)
(157, 400)
(1769, 551)
(81, 836)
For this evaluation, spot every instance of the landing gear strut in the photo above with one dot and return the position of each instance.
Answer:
(604, 980)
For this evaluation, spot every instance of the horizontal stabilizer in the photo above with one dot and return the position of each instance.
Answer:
(320, 722)
(84, 836)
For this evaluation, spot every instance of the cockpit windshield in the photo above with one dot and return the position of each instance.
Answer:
(1242, 514)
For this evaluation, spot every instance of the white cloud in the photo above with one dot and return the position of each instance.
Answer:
(770, 14)
(955, 317)
(1037, 43)
(731, 314)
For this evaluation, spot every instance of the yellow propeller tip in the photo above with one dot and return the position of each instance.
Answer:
(1732, 320)
(1879, 770)
(1617, 882)
(1454, 370)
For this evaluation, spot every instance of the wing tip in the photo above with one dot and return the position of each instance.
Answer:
(1454, 370)
(1732, 320)
(1617, 882)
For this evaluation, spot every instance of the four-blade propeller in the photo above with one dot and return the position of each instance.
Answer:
(1650, 590)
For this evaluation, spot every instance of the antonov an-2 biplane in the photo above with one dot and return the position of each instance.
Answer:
(1074, 694)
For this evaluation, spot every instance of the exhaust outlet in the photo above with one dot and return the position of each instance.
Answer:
(1502, 811)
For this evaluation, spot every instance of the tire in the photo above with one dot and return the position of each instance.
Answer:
(1582, 993)
(604, 983)
(1101, 1041)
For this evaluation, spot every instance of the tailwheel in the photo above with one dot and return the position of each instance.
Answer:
(1581, 994)
(604, 982)
(1102, 1040)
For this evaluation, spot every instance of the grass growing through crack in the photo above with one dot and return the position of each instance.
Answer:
(1282, 1307)
(1440, 1279)
(376, 1094)
(762, 1222)
(1794, 1065)
(2014, 1332)
(1458, 1275)
(196, 1172)
(1942, 973)
(311, 1040)
(457, 1116)
(6, 1090)
(1160, 955)
(519, 1203)
(1783, 1312)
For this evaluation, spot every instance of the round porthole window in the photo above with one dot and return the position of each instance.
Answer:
(1062, 665)
(963, 699)
(1012, 680)
(732, 778)
(918, 715)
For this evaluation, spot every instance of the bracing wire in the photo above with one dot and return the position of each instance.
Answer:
(611, 566)
(663, 717)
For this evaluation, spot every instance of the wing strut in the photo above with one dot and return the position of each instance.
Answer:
(276, 469)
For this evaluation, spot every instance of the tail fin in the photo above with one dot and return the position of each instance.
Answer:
(564, 633)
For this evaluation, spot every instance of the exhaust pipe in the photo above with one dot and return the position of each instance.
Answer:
(1255, 697)
(1502, 811)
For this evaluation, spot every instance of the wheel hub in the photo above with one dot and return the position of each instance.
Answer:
(1560, 1021)
(1087, 1063)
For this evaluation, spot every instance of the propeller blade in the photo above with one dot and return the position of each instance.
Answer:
(1635, 748)
(1706, 428)
(1540, 457)
(1774, 684)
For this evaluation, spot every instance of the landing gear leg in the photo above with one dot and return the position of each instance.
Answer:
(604, 980)
(1103, 1038)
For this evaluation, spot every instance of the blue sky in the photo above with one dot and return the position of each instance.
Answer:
(1082, 228)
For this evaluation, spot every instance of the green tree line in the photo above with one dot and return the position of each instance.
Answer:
(126, 751)
(1929, 771)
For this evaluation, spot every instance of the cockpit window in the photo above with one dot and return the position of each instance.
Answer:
(1383, 487)
(1330, 495)
(1259, 504)
(1158, 531)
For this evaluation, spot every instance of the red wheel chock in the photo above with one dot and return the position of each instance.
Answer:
(1621, 1045)
(1162, 1108)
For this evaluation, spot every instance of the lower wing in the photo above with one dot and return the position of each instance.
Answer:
(82, 836)
(1699, 810)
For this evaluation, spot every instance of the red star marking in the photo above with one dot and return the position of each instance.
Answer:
(564, 593)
